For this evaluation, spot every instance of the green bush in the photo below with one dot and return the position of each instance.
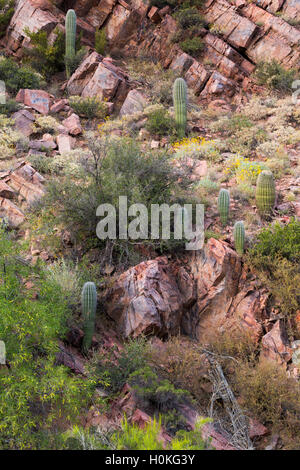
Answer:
(192, 46)
(273, 75)
(160, 123)
(9, 107)
(34, 392)
(16, 77)
(89, 107)
(277, 240)
(160, 393)
(6, 12)
(115, 167)
(100, 41)
(189, 17)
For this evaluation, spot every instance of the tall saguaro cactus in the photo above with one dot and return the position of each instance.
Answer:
(239, 237)
(180, 105)
(70, 40)
(265, 192)
(223, 205)
(89, 306)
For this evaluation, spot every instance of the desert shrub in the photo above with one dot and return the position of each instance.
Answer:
(6, 12)
(115, 167)
(268, 394)
(176, 3)
(275, 258)
(45, 124)
(9, 107)
(160, 123)
(35, 393)
(275, 76)
(66, 274)
(16, 77)
(43, 56)
(89, 107)
(245, 170)
(277, 240)
(117, 371)
(246, 140)
(181, 363)
(192, 46)
(188, 17)
(197, 148)
(153, 391)
(9, 138)
(100, 41)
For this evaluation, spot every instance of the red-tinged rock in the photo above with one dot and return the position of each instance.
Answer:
(121, 25)
(23, 121)
(98, 14)
(35, 99)
(218, 441)
(256, 429)
(69, 358)
(36, 15)
(218, 84)
(83, 74)
(6, 191)
(72, 123)
(181, 63)
(26, 171)
(104, 83)
(29, 191)
(275, 345)
(154, 15)
(164, 11)
(197, 76)
(12, 212)
(59, 106)
(135, 102)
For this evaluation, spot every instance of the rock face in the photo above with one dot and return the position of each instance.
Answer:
(246, 34)
(135, 102)
(23, 184)
(36, 99)
(198, 294)
(275, 345)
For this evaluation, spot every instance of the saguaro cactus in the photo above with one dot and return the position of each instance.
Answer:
(89, 305)
(239, 237)
(70, 40)
(265, 192)
(223, 205)
(180, 105)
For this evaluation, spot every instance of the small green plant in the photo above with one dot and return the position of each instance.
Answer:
(265, 192)
(70, 41)
(88, 107)
(16, 77)
(180, 105)
(89, 307)
(223, 205)
(100, 41)
(273, 75)
(239, 237)
(46, 58)
(9, 107)
(6, 12)
(192, 46)
(160, 123)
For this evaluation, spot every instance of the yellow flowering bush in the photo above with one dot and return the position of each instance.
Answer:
(245, 171)
(197, 147)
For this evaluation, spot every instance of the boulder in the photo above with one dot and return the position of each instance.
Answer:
(36, 15)
(98, 14)
(104, 83)
(72, 123)
(275, 345)
(154, 15)
(14, 215)
(23, 121)
(36, 99)
(6, 191)
(197, 76)
(134, 102)
(201, 292)
(65, 143)
(83, 74)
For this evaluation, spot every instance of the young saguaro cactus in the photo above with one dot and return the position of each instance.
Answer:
(70, 40)
(89, 306)
(223, 205)
(239, 237)
(180, 105)
(265, 192)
